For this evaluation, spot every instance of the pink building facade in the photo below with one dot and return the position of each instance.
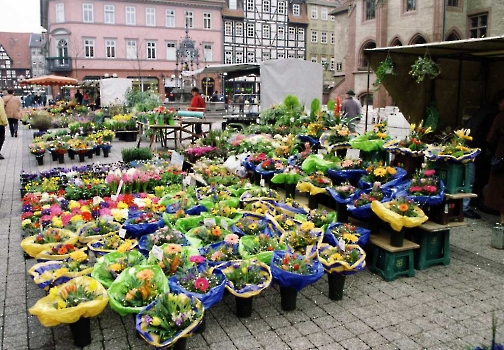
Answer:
(89, 40)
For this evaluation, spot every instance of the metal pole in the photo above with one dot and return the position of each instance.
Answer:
(367, 96)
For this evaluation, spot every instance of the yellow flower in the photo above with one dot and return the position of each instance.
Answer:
(93, 285)
(381, 135)
(57, 222)
(350, 237)
(76, 218)
(73, 204)
(122, 205)
(428, 130)
(335, 257)
(244, 270)
(380, 172)
(53, 292)
(252, 226)
(412, 127)
(78, 255)
(60, 272)
(391, 170)
(289, 222)
(25, 222)
(259, 211)
(60, 305)
(116, 267)
(125, 246)
(307, 226)
(156, 321)
(85, 208)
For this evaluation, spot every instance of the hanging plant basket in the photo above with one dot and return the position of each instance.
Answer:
(424, 66)
(385, 68)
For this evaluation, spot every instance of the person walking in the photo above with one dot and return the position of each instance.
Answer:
(351, 107)
(13, 111)
(3, 124)
(78, 97)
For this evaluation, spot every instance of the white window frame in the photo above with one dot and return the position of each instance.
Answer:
(150, 17)
(87, 13)
(233, 5)
(323, 61)
(296, 10)
(89, 48)
(314, 12)
(300, 34)
(313, 36)
(280, 55)
(266, 56)
(339, 66)
(239, 29)
(131, 49)
(323, 37)
(207, 52)
(313, 59)
(250, 30)
(109, 14)
(281, 7)
(251, 57)
(110, 48)
(151, 53)
(331, 67)
(239, 57)
(250, 5)
(130, 16)
(266, 31)
(207, 20)
(189, 19)
(228, 28)
(170, 18)
(171, 50)
(60, 12)
(281, 32)
(333, 38)
(291, 33)
(228, 57)
(323, 13)
(266, 6)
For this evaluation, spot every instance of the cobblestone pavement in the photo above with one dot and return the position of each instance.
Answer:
(442, 307)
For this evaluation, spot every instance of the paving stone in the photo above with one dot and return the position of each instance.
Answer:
(277, 322)
(288, 333)
(301, 343)
(357, 327)
(223, 345)
(320, 338)
(354, 343)
(116, 343)
(307, 327)
(339, 333)
(246, 343)
(372, 339)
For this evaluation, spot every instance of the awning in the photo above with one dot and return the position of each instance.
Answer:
(232, 70)
(50, 80)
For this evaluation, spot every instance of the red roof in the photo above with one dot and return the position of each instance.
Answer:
(17, 46)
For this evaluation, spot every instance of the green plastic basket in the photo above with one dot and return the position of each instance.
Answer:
(455, 176)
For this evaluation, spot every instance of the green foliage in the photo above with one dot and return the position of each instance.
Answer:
(130, 154)
(432, 116)
(424, 66)
(291, 102)
(330, 105)
(386, 67)
(41, 120)
(142, 101)
(315, 105)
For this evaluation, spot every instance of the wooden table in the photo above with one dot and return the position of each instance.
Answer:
(174, 132)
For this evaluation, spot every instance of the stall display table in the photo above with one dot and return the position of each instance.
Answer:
(238, 122)
(452, 208)
(175, 132)
(391, 262)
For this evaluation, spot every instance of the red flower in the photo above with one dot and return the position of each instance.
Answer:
(201, 284)
(296, 267)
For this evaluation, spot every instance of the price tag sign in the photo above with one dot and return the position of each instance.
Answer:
(114, 196)
(157, 252)
(209, 222)
(224, 225)
(177, 159)
(122, 233)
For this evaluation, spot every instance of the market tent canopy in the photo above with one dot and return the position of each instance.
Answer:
(50, 80)
(233, 70)
(471, 73)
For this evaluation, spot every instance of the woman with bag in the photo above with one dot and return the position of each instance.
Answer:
(3, 124)
(13, 111)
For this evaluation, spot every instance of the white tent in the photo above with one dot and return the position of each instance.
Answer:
(113, 91)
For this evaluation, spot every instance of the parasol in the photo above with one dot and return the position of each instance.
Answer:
(50, 80)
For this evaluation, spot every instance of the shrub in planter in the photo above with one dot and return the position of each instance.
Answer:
(41, 120)
(129, 154)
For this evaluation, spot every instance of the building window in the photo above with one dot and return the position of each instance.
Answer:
(339, 67)
(266, 56)
(331, 67)
(232, 5)
(250, 57)
(170, 18)
(110, 48)
(410, 5)
(87, 13)
(323, 61)
(207, 21)
(323, 37)
(228, 28)
(453, 3)
(61, 49)
(314, 36)
(280, 55)
(228, 57)
(296, 10)
(109, 14)
(323, 13)
(370, 9)
(292, 33)
(281, 8)
(151, 50)
(207, 52)
(250, 5)
(60, 12)
(239, 29)
(189, 19)
(332, 38)
(266, 31)
(131, 49)
(89, 48)
(266, 8)
(363, 62)
(281, 33)
(150, 17)
(314, 59)
(300, 36)
(314, 12)
(291, 55)
(171, 51)
(250, 30)
(478, 25)
(239, 57)
(130, 15)
(333, 18)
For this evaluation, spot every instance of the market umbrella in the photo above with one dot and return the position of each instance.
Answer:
(50, 80)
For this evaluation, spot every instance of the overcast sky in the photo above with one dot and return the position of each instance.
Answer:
(20, 16)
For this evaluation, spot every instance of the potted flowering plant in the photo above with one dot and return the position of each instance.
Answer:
(342, 195)
(347, 170)
(377, 172)
(226, 250)
(135, 288)
(320, 218)
(94, 230)
(143, 224)
(314, 184)
(293, 272)
(111, 243)
(73, 302)
(289, 178)
(206, 234)
(254, 160)
(455, 149)
(165, 234)
(361, 205)
(169, 320)
(47, 239)
(349, 233)
(335, 139)
(60, 251)
(304, 239)
(38, 149)
(245, 279)
(399, 213)
(170, 257)
(109, 266)
(260, 247)
(340, 261)
(371, 143)
(412, 145)
(252, 225)
(426, 188)
(259, 193)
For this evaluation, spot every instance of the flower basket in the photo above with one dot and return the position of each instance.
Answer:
(216, 253)
(335, 262)
(357, 235)
(136, 287)
(211, 297)
(49, 238)
(433, 154)
(202, 235)
(294, 280)
(327, 137)
(140, 229)
(254, 224)
(109, 266)
(49, 315)
(394, 147)
(259, 193)
(162, 235)
(252, 247)
(392, 181)
(316, 162)
(112, 243)
(397, 221)
(92, 231)
(59, 252)
(364, 211)
(177, 331)
(53, 273)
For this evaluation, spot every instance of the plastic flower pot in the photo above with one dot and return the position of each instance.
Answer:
(180, 344)
(342, 153)
(71, 154)
(243, 307)
(288, 297)
(61, 158)
(397, 238)
(40, 160)
(336, 286)
(290, 191)
(82, 157)
(54, 156)
(342, 212)
(97, 151)
(81, 331)
(202, 326)
(90, 154)
(106, 152)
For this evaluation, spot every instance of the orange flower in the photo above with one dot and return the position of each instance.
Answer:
(216, 231)
(146, 274)
(62, 251)
(173, 248)
(71, 287)
(403, 207)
